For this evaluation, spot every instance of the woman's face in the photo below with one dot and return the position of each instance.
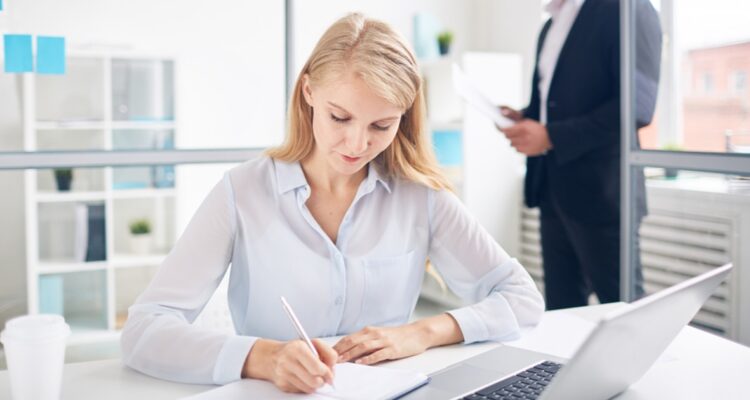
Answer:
(351, 123)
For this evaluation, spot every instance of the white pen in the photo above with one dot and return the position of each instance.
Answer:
(298, 326)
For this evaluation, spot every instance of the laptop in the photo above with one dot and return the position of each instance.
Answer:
(620, 349)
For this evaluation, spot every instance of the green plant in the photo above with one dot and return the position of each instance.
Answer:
(63, 173)
(671, 146)
(140, 226)
(445, 38)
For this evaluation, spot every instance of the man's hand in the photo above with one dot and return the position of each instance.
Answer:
(511, 113)
(528, 137)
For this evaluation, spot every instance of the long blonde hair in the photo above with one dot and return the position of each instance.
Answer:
(380, 56)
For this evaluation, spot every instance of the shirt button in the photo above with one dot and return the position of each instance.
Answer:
(338, 301)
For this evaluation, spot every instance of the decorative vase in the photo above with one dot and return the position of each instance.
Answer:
(444, 48)
(63, 182)
(140, 244)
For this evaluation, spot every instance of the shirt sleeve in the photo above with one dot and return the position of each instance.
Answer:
(477, 269)
(158, 338)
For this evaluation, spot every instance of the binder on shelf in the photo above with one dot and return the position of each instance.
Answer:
(51, 295)
(96, 249)
(81, 235)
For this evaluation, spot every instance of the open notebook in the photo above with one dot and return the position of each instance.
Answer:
(353, 381)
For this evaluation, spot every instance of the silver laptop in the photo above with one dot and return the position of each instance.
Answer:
(620, 349)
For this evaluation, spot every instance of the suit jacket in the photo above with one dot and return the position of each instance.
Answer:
(581, 174)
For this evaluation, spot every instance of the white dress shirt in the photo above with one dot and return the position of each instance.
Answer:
(256, 220)
(563, 14)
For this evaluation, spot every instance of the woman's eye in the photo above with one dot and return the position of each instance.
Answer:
(337, 119)
(381, 128)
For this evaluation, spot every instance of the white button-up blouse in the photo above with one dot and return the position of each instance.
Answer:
(255, 223)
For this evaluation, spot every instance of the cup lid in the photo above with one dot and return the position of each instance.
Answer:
(35, 327)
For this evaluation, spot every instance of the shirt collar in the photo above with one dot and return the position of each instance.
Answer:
(554, 6)
(289, 176)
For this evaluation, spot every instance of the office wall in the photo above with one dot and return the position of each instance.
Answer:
(507, 26)
(231, 75)
(311, 18)
(510, 26)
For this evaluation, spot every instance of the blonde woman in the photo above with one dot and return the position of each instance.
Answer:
(340, 220)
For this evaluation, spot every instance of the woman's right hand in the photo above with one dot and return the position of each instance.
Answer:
(291, 366)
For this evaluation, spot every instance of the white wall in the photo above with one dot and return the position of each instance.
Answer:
(311, 18)
(510, 26)
(230, 58)
(230, 80)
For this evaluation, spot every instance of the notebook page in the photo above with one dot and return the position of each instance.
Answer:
(353, 381)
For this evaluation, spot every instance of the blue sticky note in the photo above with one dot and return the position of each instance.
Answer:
(18, 57)
(448, 147)
(50, 55)
(1, 5)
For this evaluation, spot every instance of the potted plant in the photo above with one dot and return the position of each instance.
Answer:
(140, 236)
(63, 178)
(671, 173)
(445, 38)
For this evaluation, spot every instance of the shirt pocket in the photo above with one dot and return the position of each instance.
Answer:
(391, 289)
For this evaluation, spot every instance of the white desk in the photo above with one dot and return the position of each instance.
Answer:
(697, 365)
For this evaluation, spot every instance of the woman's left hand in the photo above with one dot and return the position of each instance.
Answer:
(375, 344)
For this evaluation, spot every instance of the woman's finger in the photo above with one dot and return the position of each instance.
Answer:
(362, 349)
(301, 372)
(376, 357)
(299, 385)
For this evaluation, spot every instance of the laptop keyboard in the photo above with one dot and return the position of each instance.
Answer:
(527, 385)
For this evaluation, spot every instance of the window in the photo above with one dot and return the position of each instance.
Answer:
(697, 186)
(708, 83)
(704, 102)
(739, 82)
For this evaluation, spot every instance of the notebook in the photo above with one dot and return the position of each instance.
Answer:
(353, 381)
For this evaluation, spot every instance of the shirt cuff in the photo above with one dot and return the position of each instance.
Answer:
(231, 359)
(471, 324)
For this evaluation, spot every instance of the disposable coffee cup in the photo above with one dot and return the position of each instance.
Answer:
(35, 352)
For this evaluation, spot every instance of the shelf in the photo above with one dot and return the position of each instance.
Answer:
(57, 197)
(136, 125)
(100, 104)
(87, 336)
(134, 260)
(70, 125)
(143, 193)
(61, 267)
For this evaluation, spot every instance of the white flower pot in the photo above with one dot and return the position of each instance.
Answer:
(140, 244)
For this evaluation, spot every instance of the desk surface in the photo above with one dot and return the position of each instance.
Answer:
(697, 365)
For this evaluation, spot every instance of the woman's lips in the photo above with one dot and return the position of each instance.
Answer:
(350, 160)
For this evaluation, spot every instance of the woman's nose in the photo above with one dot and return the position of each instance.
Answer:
(356, 141)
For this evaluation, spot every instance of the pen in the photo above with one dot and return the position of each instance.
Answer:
(298, 326)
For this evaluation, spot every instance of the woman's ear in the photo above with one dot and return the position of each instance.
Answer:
(306, 89)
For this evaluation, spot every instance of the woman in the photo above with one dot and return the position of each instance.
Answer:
(340, 220)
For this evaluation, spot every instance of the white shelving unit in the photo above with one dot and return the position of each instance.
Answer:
(104, 102)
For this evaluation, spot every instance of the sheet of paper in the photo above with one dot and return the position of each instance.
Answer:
(352, 381)
(466, 89)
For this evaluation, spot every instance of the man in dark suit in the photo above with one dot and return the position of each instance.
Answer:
(570, 132)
